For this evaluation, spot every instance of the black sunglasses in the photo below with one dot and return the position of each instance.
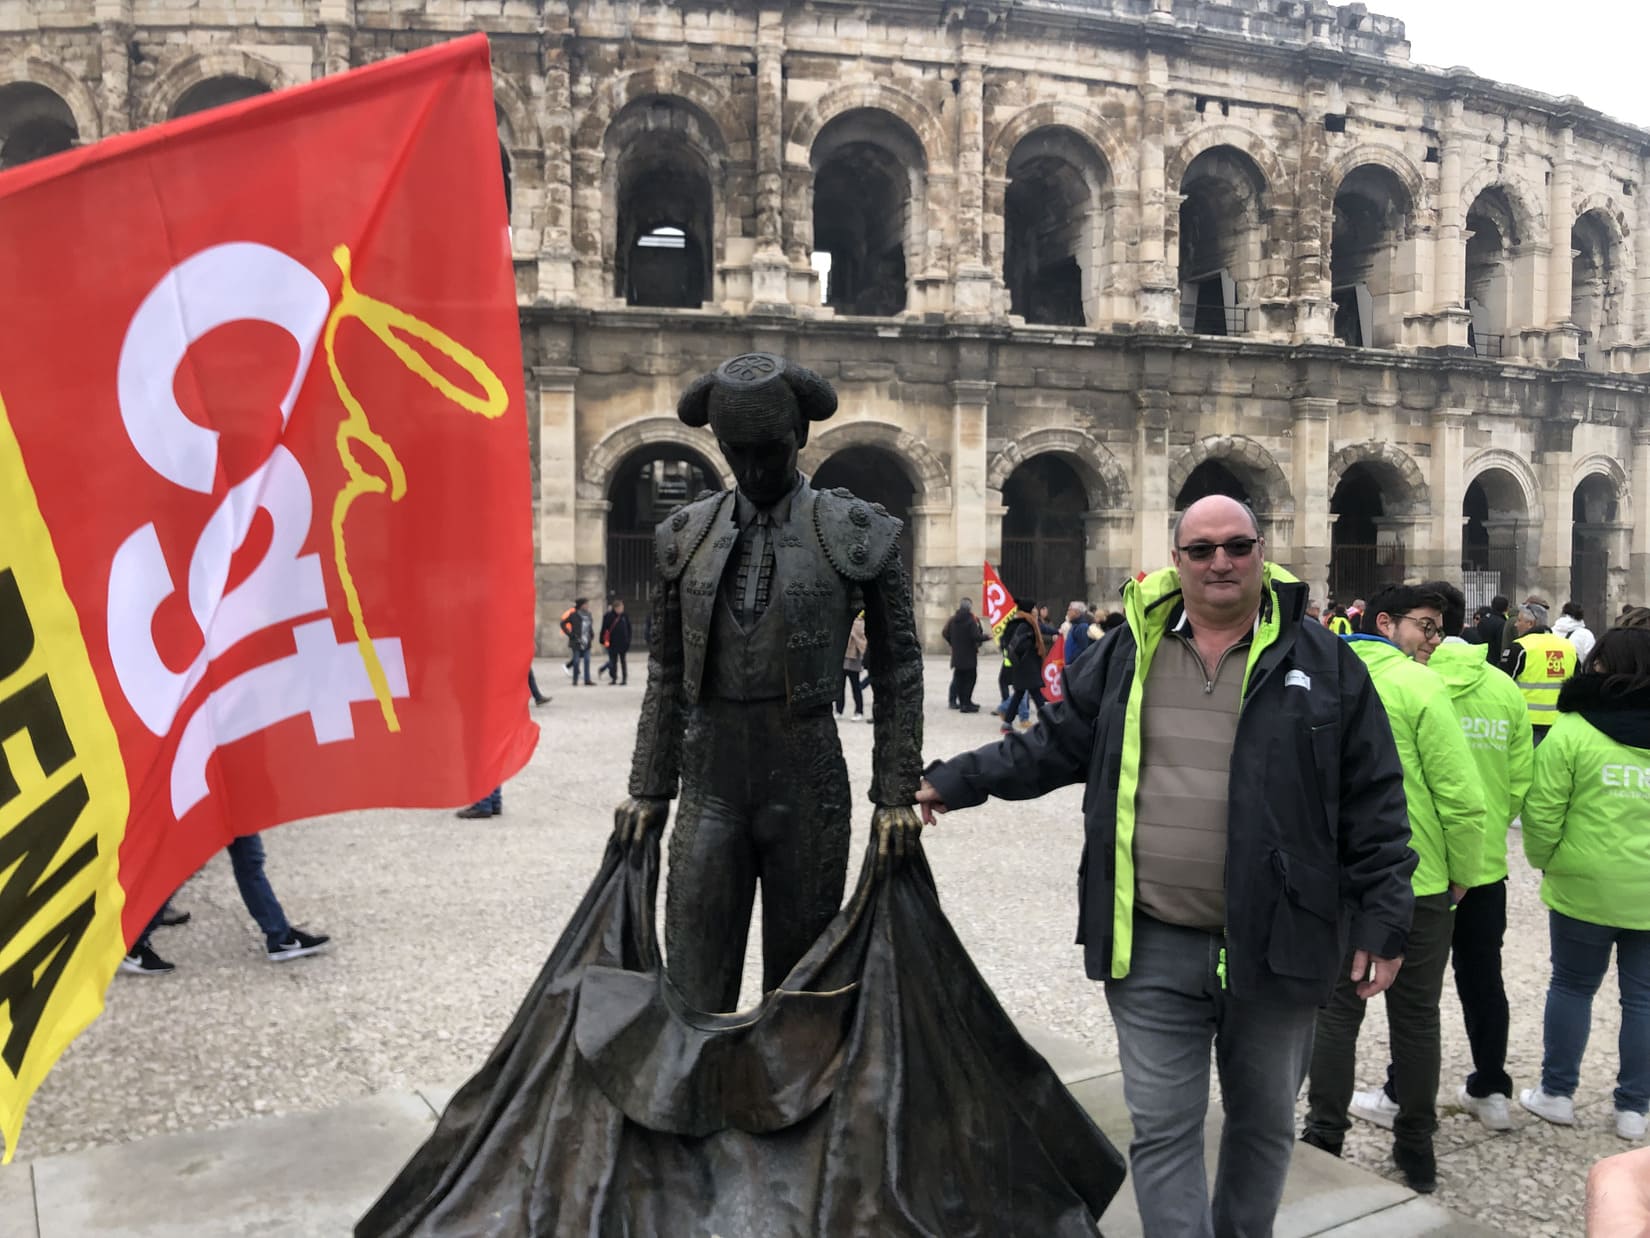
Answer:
(1236, 548)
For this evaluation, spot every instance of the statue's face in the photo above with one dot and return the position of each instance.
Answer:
(765, 470)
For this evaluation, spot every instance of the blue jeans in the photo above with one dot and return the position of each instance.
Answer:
(1581, 955)
(246, 857)
(580, 655)
(1167, 1011)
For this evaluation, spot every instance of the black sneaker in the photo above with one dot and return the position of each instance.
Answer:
(1322, 1143)
(1419, 1167)
(145, 962)
(475, 812)
(170, 918)
(295, 945)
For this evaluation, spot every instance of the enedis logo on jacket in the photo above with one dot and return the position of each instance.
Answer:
(1626, 781)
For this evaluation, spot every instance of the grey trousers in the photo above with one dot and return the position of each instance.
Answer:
(1168, 1011)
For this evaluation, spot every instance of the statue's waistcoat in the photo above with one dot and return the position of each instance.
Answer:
(828, 545)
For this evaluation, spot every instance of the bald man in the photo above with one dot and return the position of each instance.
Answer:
(1244, 830)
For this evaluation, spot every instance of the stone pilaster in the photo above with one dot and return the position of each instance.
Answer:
(1449, 490)
(556, 277)
(974, 280)
(1560, 213)
(557, 571)
(1154, 505)
(770, 271)
(590, 283)
(1446, 326)
(337, 21)
(114, 38)
(970, 497)
(1159, 289)
(1555, 467)
(1310, 459)
(1314, 218)
(1638, 581)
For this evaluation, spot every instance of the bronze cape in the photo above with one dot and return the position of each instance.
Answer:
(881, 1090)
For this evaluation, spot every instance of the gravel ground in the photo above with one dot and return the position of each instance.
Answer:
(439, 925)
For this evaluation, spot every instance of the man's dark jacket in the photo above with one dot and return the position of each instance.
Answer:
(1317, 860)
(1492, 627)
(616, 629)
(964, 634)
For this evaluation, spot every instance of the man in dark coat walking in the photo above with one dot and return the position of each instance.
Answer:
(616, 636)
(965, 636)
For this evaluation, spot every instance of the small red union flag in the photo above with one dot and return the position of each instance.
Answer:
(997, 604)
(265, 548)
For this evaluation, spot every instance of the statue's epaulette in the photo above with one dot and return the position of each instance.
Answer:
(859, 537)
(676, 537)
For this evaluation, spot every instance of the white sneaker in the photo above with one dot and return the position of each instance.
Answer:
(1492, 1110)
(1559, 1110)
(1629, 1125)
(1374, 1106)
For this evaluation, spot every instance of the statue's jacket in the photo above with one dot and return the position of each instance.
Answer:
(833, 555)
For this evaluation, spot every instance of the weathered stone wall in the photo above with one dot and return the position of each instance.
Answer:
(1259, 111)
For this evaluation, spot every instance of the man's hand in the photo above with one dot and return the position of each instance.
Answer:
(1456, 894)
(1618, 1196)
(929, 801)
(1386, 971)
(897, 832)
(636, 820)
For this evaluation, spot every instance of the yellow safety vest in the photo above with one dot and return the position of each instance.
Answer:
(1548, 661)
(1340, 625)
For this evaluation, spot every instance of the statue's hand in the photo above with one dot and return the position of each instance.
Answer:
(897, 832)
(637, 820)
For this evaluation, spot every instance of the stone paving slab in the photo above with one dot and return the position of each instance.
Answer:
(17, 1202)
(303, 1175)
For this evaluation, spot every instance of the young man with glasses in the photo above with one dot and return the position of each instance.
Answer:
(1244, 825)
(1400, 629)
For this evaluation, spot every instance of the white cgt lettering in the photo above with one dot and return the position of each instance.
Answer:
(220, 285)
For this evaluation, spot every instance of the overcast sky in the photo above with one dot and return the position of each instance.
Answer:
(1594, 49)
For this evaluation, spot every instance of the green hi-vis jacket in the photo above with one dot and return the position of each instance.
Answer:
(1317, 845)
(1446, 807)
(1497, 730)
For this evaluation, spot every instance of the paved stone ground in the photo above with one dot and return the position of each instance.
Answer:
(440, 924)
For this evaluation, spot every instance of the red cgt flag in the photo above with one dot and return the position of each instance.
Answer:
(996, 601)
(264, 512)
(1054, 666)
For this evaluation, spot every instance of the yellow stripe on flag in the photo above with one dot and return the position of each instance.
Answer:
(63, 806)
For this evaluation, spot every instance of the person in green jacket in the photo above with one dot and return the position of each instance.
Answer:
(1587, 828)
(1497, 729)
(1446, 826)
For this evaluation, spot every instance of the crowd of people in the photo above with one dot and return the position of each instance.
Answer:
(1361, 766)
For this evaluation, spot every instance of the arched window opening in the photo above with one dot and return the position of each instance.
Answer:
(1594, 514)
(1371, 224)
(217, 92)
(1494, 517)
(1220, 241)
(1044, 540)
(650, 484)
(876, 476)
(1364, 556)
(1054, 229)
(867, 195)
(34, 123)
(1211, 477)
(1492, 245)
(665, 222)
(1595, 290)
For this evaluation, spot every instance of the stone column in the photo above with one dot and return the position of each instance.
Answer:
(770, 271)
(1560, 211)
(556, 572)
(1449, 490)
(972, 300)
(1638, 579)
(589, 230)
(1641, 279)
(1314, 219)
(970, 495)
(1555, 467)
(1449, 311)
(1159, 289)
(1154, 505)
(556, 282)
(337, 21)
(1310, 483)
(114, 38)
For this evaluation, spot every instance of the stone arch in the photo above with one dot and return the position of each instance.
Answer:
(1528, 214)
(925, 469)
(1514, 466)
(1236, 136)
(717, 110)
(877, 96)
(602, 461)
(517, 111)
(66, 86)
(1086, 122)
(180, 78)
(1103, 477)
(1609, 212)
(1394, 161)
(1254, 460)
(1597, 464)
(1393, 465)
